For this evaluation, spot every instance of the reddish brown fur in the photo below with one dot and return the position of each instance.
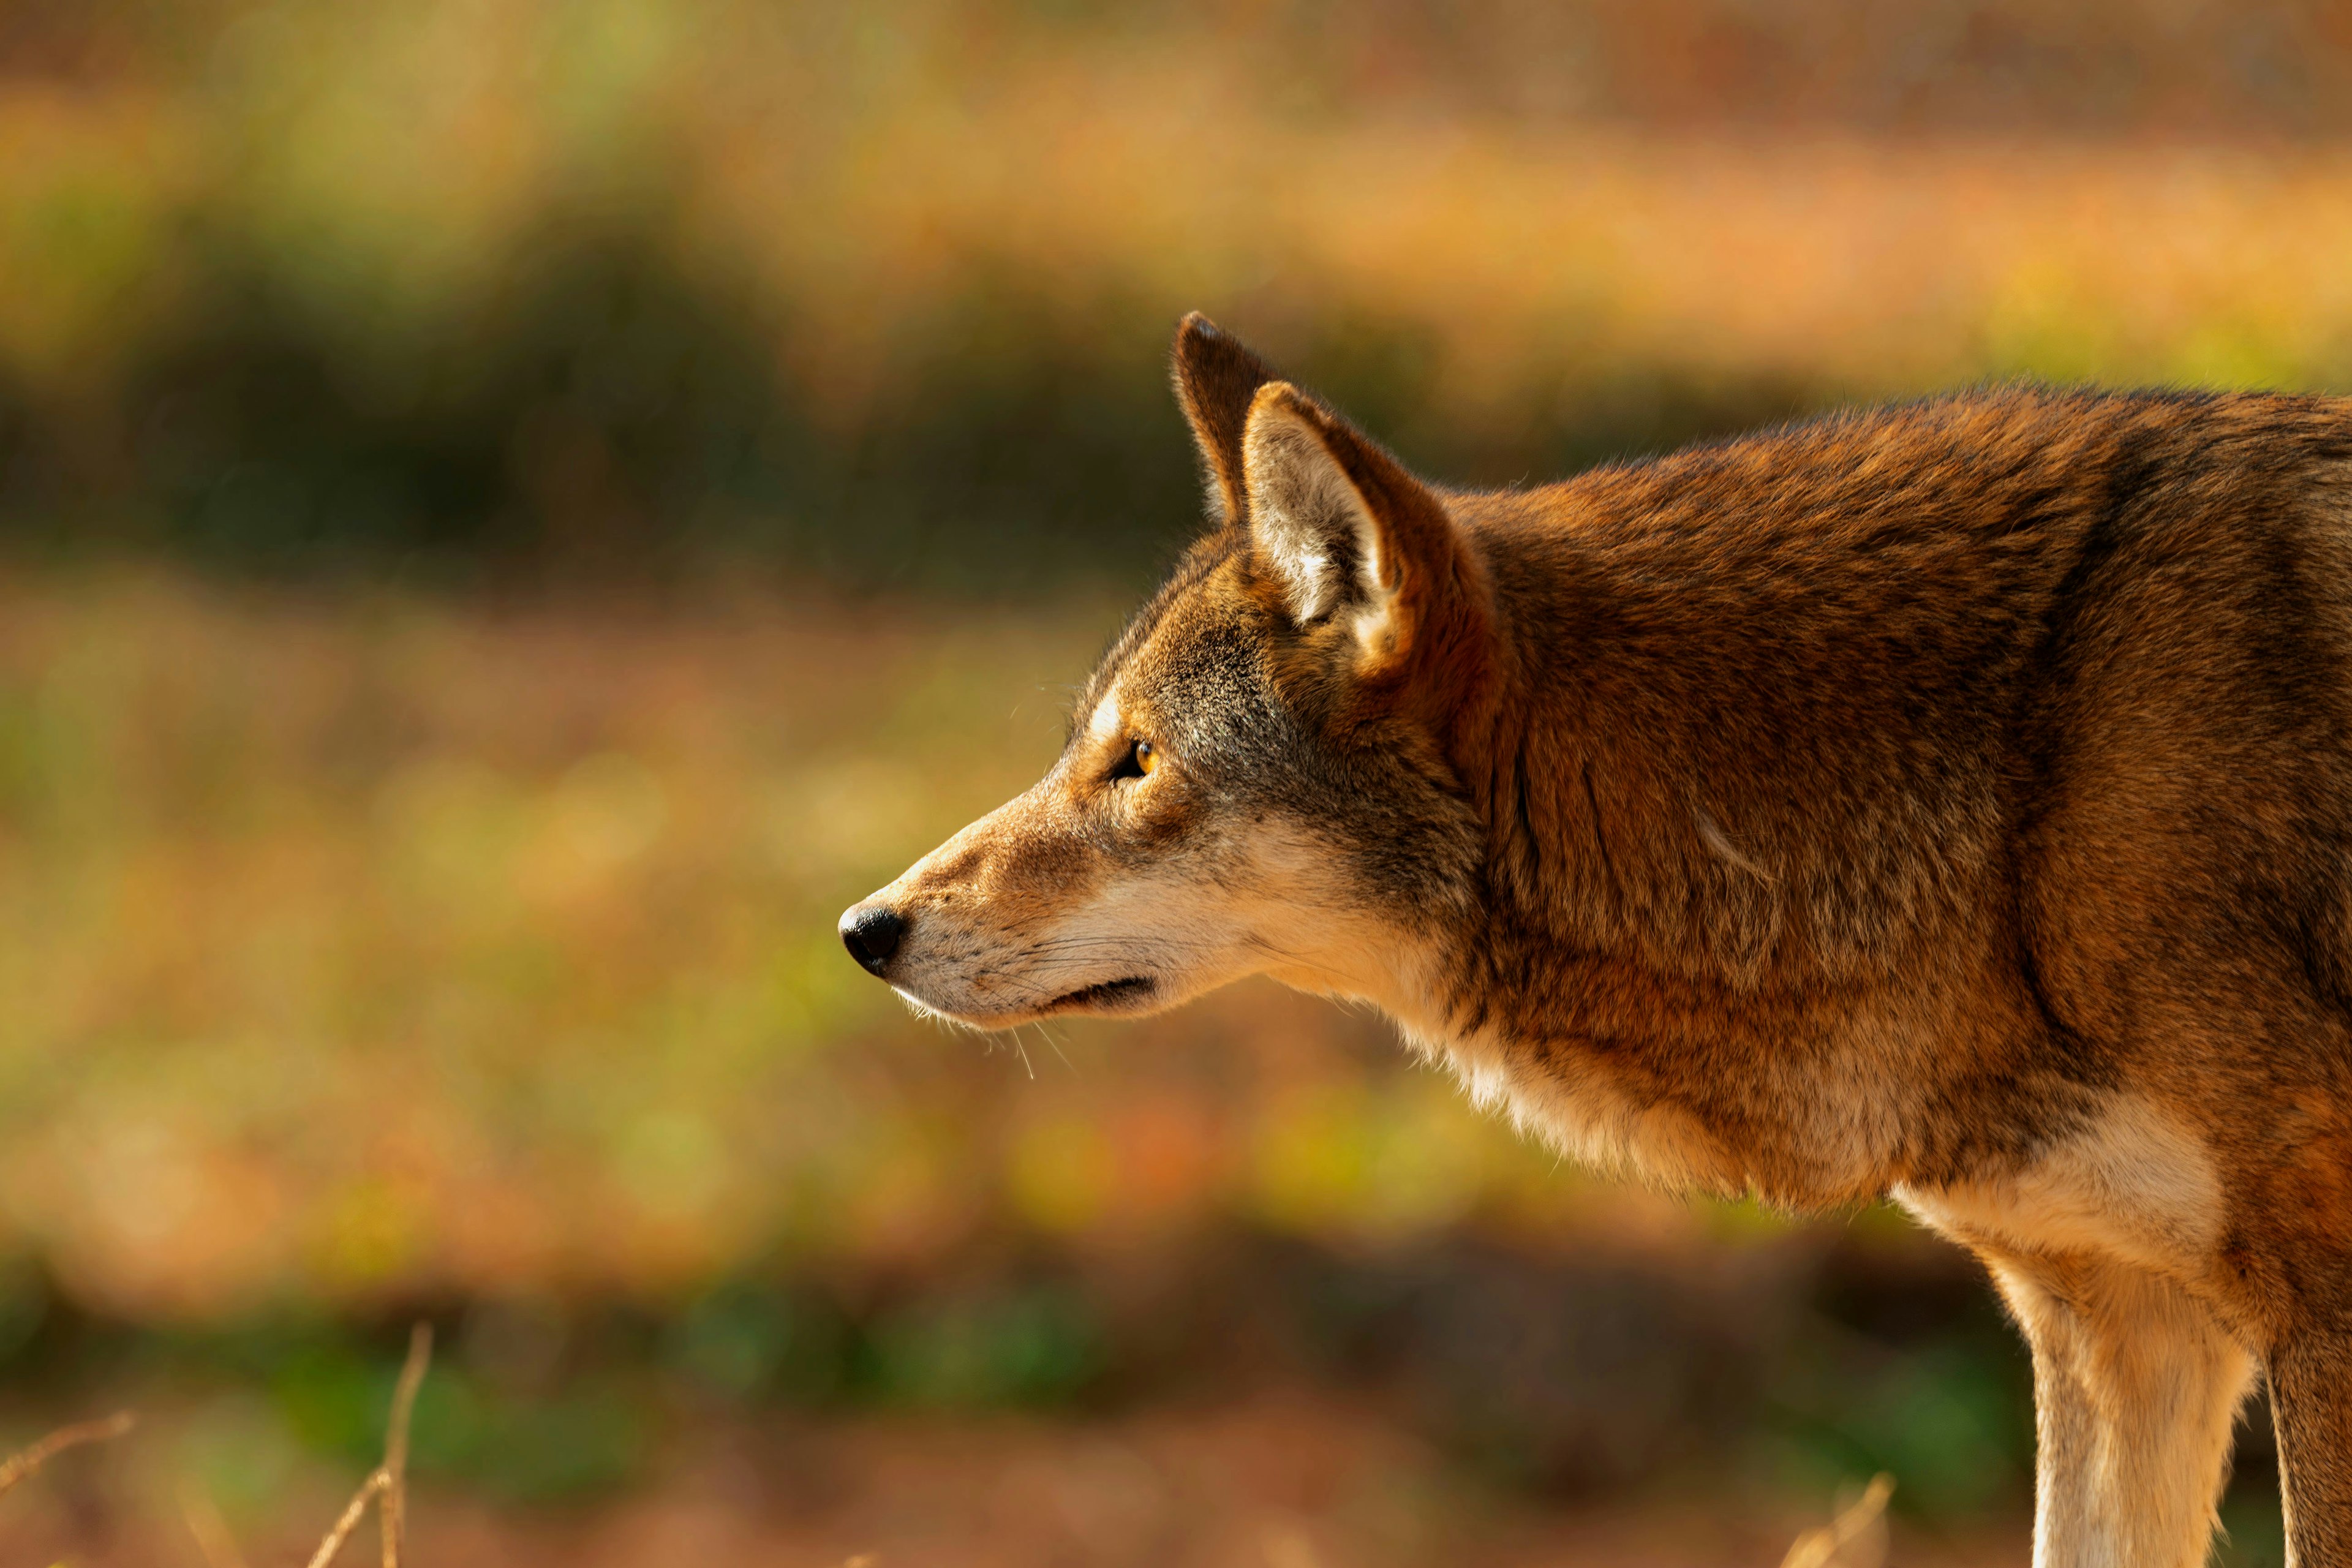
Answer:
(1952, 800)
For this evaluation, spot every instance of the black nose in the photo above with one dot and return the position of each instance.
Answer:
(871, 933)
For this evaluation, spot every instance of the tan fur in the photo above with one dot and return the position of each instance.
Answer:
(2135, 1185)
(2136, 1387)
(1952, 802)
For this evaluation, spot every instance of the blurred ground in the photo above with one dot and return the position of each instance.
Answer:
(513, 513)
(1279, 1482)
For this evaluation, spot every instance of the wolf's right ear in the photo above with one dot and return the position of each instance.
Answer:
(1352, 540)
(1216, 378)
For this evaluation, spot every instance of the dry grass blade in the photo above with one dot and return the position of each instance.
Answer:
(389, 1478)
(353, 1512)
(1819, 1548)
(395, 1442)
(24, 1464)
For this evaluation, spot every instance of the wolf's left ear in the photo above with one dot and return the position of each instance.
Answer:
(1352, 539)
(1215, 379)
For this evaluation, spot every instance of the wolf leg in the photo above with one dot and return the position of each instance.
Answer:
(2065, 1425)
(2311, 1402)
(2135, 1388)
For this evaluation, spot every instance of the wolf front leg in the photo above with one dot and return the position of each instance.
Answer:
(2311, 1403)
(2135, 1389)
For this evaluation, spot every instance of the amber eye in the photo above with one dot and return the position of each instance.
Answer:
(1141, 758)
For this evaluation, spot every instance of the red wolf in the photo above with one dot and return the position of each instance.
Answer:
(1951, 802)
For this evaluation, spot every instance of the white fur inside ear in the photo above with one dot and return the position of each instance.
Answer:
(1107, 721)
(1311, 522)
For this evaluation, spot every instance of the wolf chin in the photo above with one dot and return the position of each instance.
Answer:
(1951, 801)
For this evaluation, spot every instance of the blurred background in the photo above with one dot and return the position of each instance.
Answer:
(512, 513)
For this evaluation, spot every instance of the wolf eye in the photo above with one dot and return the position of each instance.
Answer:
(1141, 758)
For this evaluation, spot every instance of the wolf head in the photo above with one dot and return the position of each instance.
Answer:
(1266, 775)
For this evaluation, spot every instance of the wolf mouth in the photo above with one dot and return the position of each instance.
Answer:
(1135, 987)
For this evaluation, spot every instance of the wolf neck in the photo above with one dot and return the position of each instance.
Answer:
(1607, 840)
(1682, 800)
(1691, 904)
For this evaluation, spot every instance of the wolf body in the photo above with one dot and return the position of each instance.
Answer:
(1951, 802)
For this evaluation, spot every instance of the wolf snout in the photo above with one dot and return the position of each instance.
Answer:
(871, 933)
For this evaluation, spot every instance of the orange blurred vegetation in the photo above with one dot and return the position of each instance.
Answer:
(361, 951)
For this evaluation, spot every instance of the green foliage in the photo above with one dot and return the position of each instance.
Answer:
(1034, 1345)
(2253, 1531)
(606, 415)
(543, 1448)
(1951, 1422)
(748, 1341)
(332, 1391)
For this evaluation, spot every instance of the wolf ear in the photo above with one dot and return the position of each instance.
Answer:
(1348, 534)
(1215, 379)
